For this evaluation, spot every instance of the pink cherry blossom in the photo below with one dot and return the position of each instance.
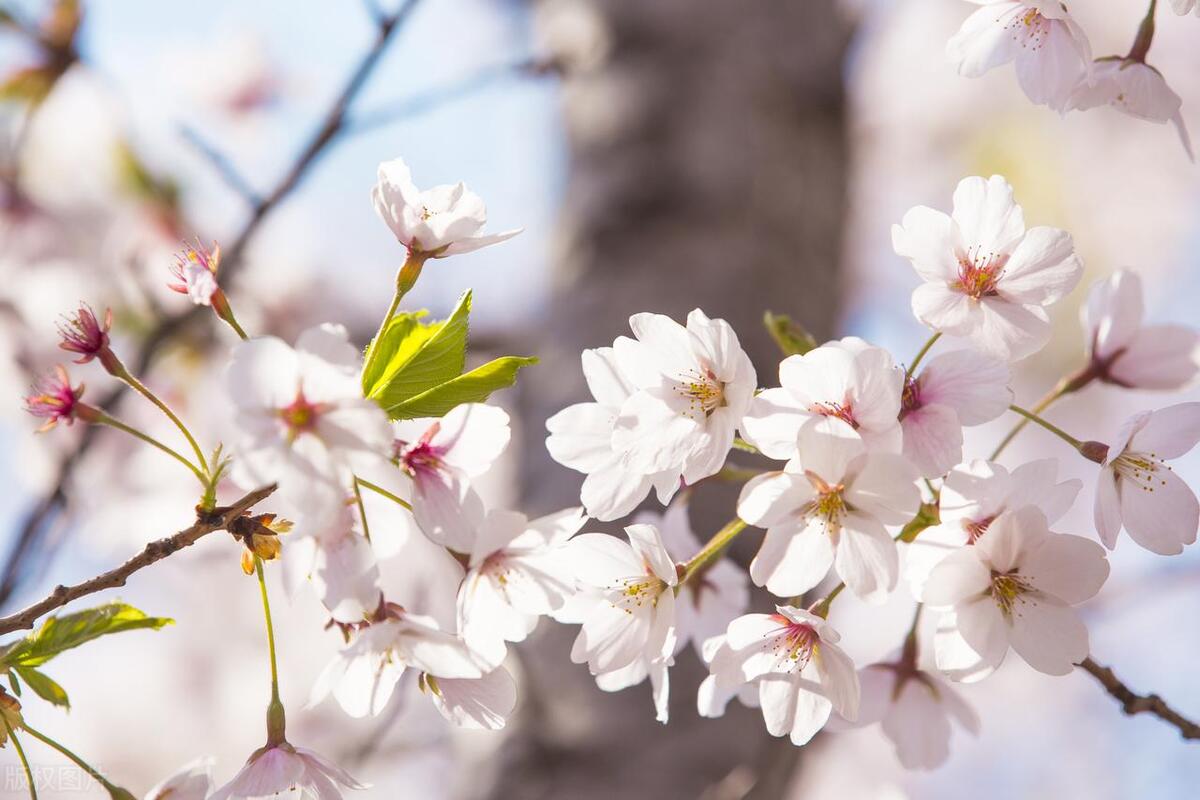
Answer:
(280, 768)
(1015, 587)
(1123, 351)
(987, 278)
(195, 273)
(847, 379)
(55, 400)
(1136, 89)
(86, 335)
(953, 390)
(1138, 491)
(193, 781)
(1048, 48)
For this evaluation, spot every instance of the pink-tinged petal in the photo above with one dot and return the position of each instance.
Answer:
(984, 42)
(1012, 537)
(648, 545)
(883, 485)
(958, 578)
(944, 309)
(773, 497)
(839, 679)
(600, 560)
(1169, 432)
(612, 491)
(1107, 508)
(1113, 313)
(974, 385)
(751, 639)
(611, 637)
(1069, 568)
(1048, 634)
(792, 559)
(984, 629)
(1160, 513)
(958, 708)
(1162, 357)
(877, 385)
(866, 558)
(876, 684)
(927, 551)
(932, 439)
(772, 424)
(667, 342)
(927, 238)
(473, 436)
(986, 215)
(447, 509)
(1042, 269)
(1049, 74)
(1035, 483)
(482, 703)
(1009, 331)
(955, 658)
(918, 727)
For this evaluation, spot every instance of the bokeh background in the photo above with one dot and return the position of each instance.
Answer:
(660, 156)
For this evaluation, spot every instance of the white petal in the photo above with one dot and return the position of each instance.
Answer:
(957, 578)
(1169, 432)
(866, 558)
(483, 703)
(1069, 568)
(1042, 269)
(1048, 635)
(772, 497)
(986, 215)
(792, 559)
(1160, 357)
(1107, 508)
(932, 439)
(926, 237)
(773, 422)
(1163, 520)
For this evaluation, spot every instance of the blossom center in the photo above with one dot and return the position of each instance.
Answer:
(843, 411)
(301, 416)
(828, 505)
(634, 593)
(910, 398)
(1140, 469)
(976, 528)
(1007, 590)
(795, 645)
(979, 272)
(423, 456)
(703, 391)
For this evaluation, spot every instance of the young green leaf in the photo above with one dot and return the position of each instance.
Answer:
(792, 339)
(412, 357)
(43, 686)
(472, 387)
(58, 634)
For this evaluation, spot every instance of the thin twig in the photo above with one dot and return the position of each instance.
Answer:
(153, 552)
(36, 522)
(221, 164)
(1132, 703)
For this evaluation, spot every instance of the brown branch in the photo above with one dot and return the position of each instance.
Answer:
(333, 124)
(153, 552)
(1132, 703)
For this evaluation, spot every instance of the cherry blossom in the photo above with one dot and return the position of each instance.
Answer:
(363, 676)
(694, 386)
(193, 781)
(710, 598)
(581, 438)
(55, 400)
(986, 277)
(716, 690)
(1138, 491)
(1048, 48)
(953, 390)
(515, 575)
(482, 703)
(86, 335)
(281, 768)
(802, 674)
(195, 273)
(441, 456)
(914, 709)
(1183, 7)
(971, 498)
(439, 222)
(301, 418)
(1135, 88)
(1015, 587)
(341, 566)
(846, 379)
(1123, 351)
(627, 608)
(828, 508)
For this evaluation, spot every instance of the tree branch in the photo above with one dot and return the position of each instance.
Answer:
(153, 552)
(1132, 703)
(333, 124)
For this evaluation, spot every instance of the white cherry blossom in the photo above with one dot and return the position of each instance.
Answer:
(581, 437)
(1134, 88)
(1047, 47)
(953, 390)
(801, 673)
(1123, 351)
(482, 703)
(281, 768)
(1138, 491)
(828, 507)
(694, 386)
(972, 496)
(341, 566)
(193, 781)
(987, 278)
(847, 379)
(516, 574)
(441, 456)
(1015, 587)
(301, 419)
(439, 222)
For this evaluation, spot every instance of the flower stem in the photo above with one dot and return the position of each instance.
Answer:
(908, 655)
(275, 715)
(713, 549)
(111, 422)
(221, 305)
(113, 790)
(12, 735)
(741, 444)
(120, 372)
(1059, 432)
(1145, 35)
(406, 278)
(1067, 385)
(380, 491)
(822, 606)
(908, 373)
(362, 511)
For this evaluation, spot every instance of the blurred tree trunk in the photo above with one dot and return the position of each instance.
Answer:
(708, 169)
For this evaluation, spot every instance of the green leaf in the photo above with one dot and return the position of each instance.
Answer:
(792, 339)
(472, 387)
(14, 683)
(59, 634)
(44, 686)
(412, 357)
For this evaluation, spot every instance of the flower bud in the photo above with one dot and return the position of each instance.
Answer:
(1094, 451)
(86, 335)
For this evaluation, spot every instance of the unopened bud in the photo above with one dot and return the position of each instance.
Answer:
(1094, 451)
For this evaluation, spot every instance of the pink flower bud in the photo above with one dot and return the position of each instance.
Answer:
(195, 271)
(54, 399)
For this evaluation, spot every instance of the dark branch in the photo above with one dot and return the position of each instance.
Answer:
(1132, 703)
(153, 552)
